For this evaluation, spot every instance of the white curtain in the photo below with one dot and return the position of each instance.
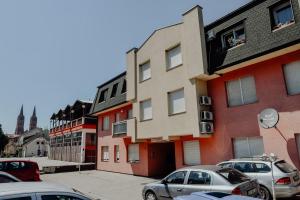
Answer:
(248, 147)
(133, 152)
(292, 77)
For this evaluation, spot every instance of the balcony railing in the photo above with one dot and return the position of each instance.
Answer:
(119, 128)
(74, 123)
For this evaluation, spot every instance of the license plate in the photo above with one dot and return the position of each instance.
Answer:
(251, 192)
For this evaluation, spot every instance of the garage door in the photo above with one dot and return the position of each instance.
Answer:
(191, 151)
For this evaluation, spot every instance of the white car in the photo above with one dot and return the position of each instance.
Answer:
(213, 196)
(38, 191)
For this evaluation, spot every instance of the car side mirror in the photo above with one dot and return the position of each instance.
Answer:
(164, 181)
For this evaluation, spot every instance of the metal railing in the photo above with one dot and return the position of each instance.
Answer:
(70, 124)
(119, 128)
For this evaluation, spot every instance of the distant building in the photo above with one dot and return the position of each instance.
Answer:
(33, 120)
(20, 123)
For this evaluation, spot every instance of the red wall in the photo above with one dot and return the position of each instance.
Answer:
(239, 121)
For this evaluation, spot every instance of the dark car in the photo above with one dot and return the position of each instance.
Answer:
(22, 169)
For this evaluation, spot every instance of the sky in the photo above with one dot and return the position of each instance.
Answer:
(53, 52)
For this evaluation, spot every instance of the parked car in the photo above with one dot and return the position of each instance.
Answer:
(22, 169)
(7, 178)
(201, 178)
(213, 196)
(286, 177)
(37, 191)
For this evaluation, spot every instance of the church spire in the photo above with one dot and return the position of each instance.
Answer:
(33, 120)
(20, 123)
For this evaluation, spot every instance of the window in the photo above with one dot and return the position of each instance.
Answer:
(176, 178)
(244, 167)
(262, 168)
(174, 57)
(129, 114)
(146, 110)
(105, 153)
(199, 178)
(133, 153)
(6, 179)
(59, 197)
(106, 124)
(284, 166)
(145, 71)
(234, 37)
(292, 77)
(241, 91)
(124, 87)
(191, 152)
(18, 198)
(12, 166)
(225, 164)
(233, 176)
(103, 95)
(248, 147)
(118, 117)
(282, 15)
(114, 90)
(117, 153)
(176, 102)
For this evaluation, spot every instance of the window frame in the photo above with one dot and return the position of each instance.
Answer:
(241, 91)
(274, 16)
(104, 96)
(233, 30)
(138, 151)
(248, 145)
(114, 90)
(141, 78)
(169, 105)
(142, 112)
(199, 171)
(102, 153)
(184, 179)
(167, 63)
(286, 80)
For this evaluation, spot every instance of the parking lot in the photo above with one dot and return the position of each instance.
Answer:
(102, 185)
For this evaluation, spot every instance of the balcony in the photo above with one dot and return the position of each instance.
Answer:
(65, 125)
(119, 128)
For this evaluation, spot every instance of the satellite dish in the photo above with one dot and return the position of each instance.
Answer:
(268, 118)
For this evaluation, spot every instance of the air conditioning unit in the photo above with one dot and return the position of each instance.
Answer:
(205, 101)
(206, 127)
(206, 116)
(211, 35)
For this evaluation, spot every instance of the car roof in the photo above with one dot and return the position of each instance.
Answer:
(9, 175)
(31, 187)
(204, 167)
(29, 161)
(254, 159)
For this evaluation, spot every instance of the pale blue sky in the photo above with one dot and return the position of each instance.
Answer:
(53, 52)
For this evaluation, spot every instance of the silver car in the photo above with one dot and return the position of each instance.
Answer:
(213, 196)
(286, 177)
(38, 191)
(7, 178)
(201, 178)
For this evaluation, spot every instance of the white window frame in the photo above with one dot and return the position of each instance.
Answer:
(241, 91)
(142, 69)
(171, 111)
(168, 63)
(136, 148)
(104, 154)
(106, 127)
(142, 114)
(274, 13)
(233, 31)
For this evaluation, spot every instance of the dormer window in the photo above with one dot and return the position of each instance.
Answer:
(234, 37)
(103, 95)
(282, 15)
(114, 90)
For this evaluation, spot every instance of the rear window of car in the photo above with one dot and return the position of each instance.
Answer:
(233, 176)
(218, 194)
(284, 166)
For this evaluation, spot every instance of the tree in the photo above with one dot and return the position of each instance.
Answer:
(3, 140)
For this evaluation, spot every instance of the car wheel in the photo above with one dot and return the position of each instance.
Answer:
(265, 193)
(150, 196)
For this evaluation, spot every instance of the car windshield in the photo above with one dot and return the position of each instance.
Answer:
(284, 166)
(233, 176)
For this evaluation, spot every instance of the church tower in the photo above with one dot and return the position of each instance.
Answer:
(33, 120)
(20, 123)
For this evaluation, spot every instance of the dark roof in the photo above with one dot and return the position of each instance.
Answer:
(233, 13)
(112, 79)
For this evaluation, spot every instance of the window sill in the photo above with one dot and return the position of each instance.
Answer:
(104, 160)
(145, 120)
(282, 27)
(134, 162)
(169, 69)
(242, 105)
(292, 95)
(174, 114)
(142, 81)
(237, 46)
